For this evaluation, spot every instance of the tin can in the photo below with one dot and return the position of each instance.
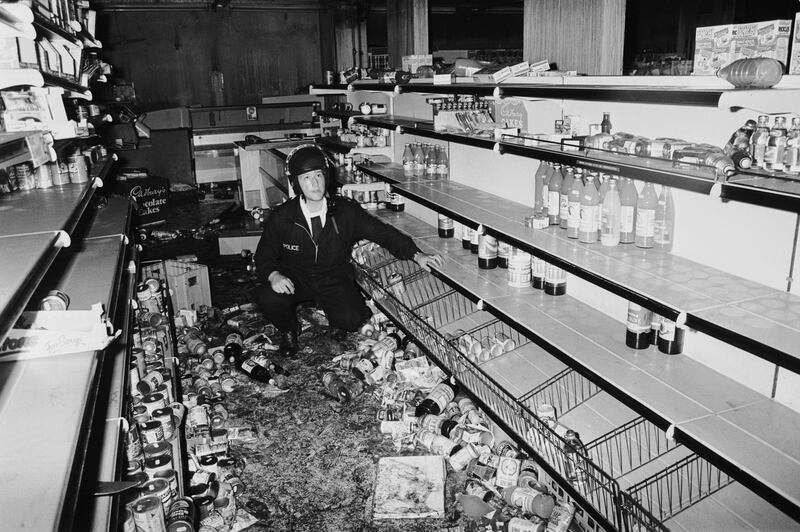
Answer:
(54, 300)
(182, 515)
(148, 514)
(171, 476)
(154, 401)
(209, 463)
(165, 389)
(161, 448)
(127, 521)
(78, 170)
(519, 269)
(151, 431)
(149, 382)
(42, 176)
(461, 458)
(25, 176)
(164, 417)
(204, 505)
(59, 173)
(158, 487)
(157, 464)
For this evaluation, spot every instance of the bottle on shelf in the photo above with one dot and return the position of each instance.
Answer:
(487, 252)
(430, 163)
(792, 157)
(646, 216)
(566, 186)
(554, 196)
(538, 269)
(574, 466)
(474, 242)
(419, 160)
(670, 337)
(664, 224)
(446, 228)
(590, 203)
(555, 280)
(628, 197)
(574, 207)
(540, 179)
(397, 202)
(442, 163)
(466, 236)
(605, 125)
(758, 142)
(738, 146)
(610, 215)
(438, 398)
(408, 160)
(601, 182)
(639, 321)
(776, 146)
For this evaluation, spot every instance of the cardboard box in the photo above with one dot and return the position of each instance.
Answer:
(761, 39)
(18, 52)
(712, 49)
(412, 62)
(794, 62)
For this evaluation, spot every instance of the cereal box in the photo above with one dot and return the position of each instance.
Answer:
(712, 49)
(762, 39)
(794, 62)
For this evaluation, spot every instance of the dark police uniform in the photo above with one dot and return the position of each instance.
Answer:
(321, 270)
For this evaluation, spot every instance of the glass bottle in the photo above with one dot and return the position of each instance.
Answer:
(419, 160)
(574, 201)
(610, 215)
(776, 146)
(645, 216)
(605, 125)
(792, 155)
(574, 467)
(446, 227)
(430, 162)
(443, 163)
(408, 160)
(438, 398)
(758, 142)
(664, 220)
(563, 209)
(554, 196)
(601, 182)
(590, 203)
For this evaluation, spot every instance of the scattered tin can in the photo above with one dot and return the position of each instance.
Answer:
(148, 514)
(54, 300)
(182, 515)
(158, 487)
(164, 416)
(78, 170)
(151, 431)
(171, 476)
(157, 464)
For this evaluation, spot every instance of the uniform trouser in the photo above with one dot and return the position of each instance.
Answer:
(337, 295)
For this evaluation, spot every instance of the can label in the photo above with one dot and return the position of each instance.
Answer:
(639, 318)
(519, 273)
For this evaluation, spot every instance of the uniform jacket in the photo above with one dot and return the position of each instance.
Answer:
(286, 244)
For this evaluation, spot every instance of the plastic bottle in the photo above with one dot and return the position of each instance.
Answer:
(776, 146)
(554, 196)
(628, 197)
(664, 221)
(758, 142)
(590, 202)
(574, 207)
(566, 186)
(446, 228)
(408, 160)
(540, 187)
(792, 157)
(610, 215)
(605, 125)
(646, 216)
(437, 399)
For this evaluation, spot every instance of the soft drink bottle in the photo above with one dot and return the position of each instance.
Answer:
(540, 187)
(792, 155)
(574, 467)
(408, 160)
(665, 220)
(554, 196)
(646, 216)
(419, 160)
(601, 182)
(610, 218)
(563, 209)
(574, 201)
(605, 125)
(627, 219)
(590, 202)
(437, 399)
(776, 146)
(442, 163)
(758, 142)
(430, 163)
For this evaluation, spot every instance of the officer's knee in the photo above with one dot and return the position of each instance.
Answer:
(351, 319)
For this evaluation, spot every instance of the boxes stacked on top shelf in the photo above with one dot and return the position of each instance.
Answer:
(717, 46)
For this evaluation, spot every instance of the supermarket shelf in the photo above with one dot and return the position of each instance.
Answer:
(58, 81)
(338, 146)
(23, 263)
(54, 32)
(756, 188)
(16, 21)
(759, 319)
(337, 115)
(113, 216)
(49, 209)
(59, 438)
(712, 415)
(62, 146)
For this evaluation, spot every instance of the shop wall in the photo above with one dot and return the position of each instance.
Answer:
(212, 58)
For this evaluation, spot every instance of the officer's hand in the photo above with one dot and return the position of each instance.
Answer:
(281, 284)
(429, 261)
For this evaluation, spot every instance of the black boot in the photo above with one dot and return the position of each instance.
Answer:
(289, 345)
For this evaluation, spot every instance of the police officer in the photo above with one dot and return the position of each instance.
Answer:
(304, 251)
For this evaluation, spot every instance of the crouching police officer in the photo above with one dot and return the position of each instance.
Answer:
(304, 251)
